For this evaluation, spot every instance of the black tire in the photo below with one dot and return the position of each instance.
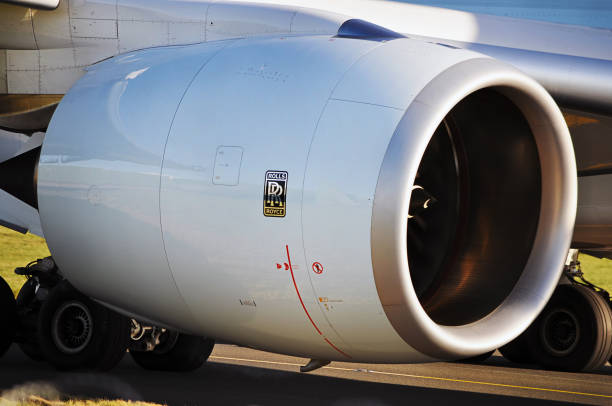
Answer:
(8, 317)
(28, 321)
(517, 350)
(477, 359)
(116, 343)
(574, 332)
(74, 332)
(186, 353)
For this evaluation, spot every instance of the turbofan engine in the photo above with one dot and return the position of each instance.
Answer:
(357, 197)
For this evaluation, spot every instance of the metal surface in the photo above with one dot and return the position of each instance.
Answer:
(360, 29)
(461, 251)
(36, 4)
(209, 262)
(571, 62)
(72, 327)
(109, 180)
(560, 332)
(555, 222)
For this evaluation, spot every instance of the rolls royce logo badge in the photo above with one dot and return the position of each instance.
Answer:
(275, 194)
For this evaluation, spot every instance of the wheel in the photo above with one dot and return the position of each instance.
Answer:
(8, 316)
(74, 332)
(574, 332)
(476, 359)
(176, 352)
(517, 350)
(27, 310)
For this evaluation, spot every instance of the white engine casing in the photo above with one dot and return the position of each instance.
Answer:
(151, 183)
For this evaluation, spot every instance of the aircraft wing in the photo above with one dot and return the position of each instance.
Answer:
(574, 63)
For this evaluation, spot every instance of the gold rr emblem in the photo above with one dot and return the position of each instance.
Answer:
(275, 194)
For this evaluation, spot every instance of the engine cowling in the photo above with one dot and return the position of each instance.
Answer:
(337, 198)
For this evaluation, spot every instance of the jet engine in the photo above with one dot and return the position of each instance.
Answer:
(361, 197)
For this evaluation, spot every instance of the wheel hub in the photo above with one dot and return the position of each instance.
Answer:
(72, 327)
(560, 332)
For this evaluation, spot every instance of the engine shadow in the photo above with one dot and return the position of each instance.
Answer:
(225, 384)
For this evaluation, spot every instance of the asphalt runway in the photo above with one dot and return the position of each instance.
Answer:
(242, 376)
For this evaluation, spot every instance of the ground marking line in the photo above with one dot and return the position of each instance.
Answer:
(253, 360)
(435, 378)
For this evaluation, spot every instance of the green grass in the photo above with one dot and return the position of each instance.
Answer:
(597, 271)
(18, 249)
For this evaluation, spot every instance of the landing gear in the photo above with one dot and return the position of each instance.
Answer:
(160, 349)
(517, 350)
(51, 321)
(8, 316)
(573, 332)
(59, 325)
(42, 277)
(75, 332)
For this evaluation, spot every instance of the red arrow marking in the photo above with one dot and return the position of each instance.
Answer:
(278, 266)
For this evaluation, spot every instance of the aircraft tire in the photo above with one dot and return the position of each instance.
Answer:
(187, 353)
(74, 332)
(8, 316)
(28, 320)
(573, 332)
(517, 350)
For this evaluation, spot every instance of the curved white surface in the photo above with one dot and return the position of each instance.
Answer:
(192, 248)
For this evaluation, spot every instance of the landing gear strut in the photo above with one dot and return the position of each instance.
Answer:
(160, 349)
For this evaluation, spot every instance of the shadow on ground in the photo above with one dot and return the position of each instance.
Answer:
(223, 384)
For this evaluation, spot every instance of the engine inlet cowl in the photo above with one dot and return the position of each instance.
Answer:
(474, 210)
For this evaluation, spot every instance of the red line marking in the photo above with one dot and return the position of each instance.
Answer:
(306, 311)
(337, 349)
(298, 292)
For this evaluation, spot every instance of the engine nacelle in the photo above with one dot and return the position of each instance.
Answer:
(336, 198)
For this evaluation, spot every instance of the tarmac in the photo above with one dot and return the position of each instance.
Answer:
(243, 376)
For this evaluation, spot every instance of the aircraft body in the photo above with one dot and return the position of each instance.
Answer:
(350, 180)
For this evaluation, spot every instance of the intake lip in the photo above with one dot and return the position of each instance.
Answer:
(558, 200)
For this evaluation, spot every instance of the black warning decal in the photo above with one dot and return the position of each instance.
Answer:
(275, 194)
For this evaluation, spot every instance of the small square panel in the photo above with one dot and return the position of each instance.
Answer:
(227, 166)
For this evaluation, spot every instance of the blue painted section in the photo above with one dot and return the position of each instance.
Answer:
(590, 13)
